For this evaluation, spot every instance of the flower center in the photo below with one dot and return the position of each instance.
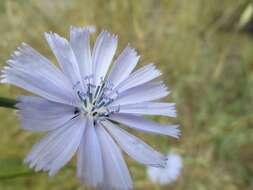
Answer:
(96, 99)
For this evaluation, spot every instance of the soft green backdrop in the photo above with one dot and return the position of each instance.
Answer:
(206, 60)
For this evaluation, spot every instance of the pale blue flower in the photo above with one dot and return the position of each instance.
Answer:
(169, 173)
(80, 103)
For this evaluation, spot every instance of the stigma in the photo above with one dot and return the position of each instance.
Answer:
(94, 100)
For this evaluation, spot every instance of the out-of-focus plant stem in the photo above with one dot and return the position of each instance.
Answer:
(17, 175)
(25, 173)
(7, 102)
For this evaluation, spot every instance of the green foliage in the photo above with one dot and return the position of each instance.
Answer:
(205, 60)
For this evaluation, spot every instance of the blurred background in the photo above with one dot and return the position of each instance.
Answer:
(205, 51)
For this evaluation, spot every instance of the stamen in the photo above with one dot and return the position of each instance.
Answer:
(96, 99)
(76, 111)
(82, 95)
(75, 85)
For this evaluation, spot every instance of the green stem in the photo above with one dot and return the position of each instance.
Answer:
(26, 173)
(17, 175)
(7, 103)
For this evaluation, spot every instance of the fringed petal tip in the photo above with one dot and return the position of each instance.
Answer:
(38, 168)
(3, 74)
(89, 28)
(32, 164)
(131, 50)
(108, 34)
(20, 51)
(162, 164)
(176, 132)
